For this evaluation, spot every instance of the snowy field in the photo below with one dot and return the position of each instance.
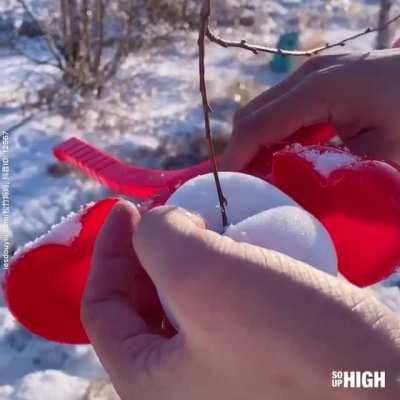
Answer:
(152, 116)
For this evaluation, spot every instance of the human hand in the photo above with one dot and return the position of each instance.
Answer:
(253, 323)
(358, 93)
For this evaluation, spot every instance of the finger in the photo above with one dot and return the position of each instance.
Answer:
(176, 250)
(302, 106)
(203, 275)
(164, 242)
(312, 65)
(396, 44)
(108, 315)
(374, 143)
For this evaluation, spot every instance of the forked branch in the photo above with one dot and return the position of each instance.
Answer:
(256, 48)
(49, 39)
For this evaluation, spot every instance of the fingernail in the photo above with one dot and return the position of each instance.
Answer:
(125, 205)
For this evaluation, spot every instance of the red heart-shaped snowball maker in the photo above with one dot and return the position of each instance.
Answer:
(44, 285)
(358, 201)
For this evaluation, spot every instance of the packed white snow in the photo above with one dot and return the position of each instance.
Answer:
(259, 214)
(292, 231)
(62, 233)
(50, 384)
(326, 162)
(246, 194)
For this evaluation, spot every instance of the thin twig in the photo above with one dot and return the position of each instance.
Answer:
(85, 33)
(71, 35)
(49, 39)
(99, 34)
(204, 20)
(255, 48)
(32, 58)
(18, 125)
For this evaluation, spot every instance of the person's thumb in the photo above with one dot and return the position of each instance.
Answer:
(180, 256)
(202, 275)
(306, 104)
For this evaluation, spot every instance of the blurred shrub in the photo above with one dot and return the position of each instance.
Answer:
(89, 39)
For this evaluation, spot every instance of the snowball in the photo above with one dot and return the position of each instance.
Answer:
(246, 194)
(62, 233)
(259, 214)
(292, 231)
(328, 161)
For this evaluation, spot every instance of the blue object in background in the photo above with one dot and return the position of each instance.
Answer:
(284, 64)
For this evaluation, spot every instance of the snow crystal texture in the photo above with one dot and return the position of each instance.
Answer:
(247, 196)
(328, 161)
(62, 233)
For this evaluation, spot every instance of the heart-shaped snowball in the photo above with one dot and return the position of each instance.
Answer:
(44, 283)
(260, 214)
(289, 230)
(356, 199)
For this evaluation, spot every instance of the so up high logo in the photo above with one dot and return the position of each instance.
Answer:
(359, 379)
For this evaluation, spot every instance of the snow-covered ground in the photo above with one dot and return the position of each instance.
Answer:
(151, 116)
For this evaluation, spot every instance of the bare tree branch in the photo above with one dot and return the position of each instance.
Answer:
(255, 48)
(184, 9)
(64, 25)
(32, 58)
(14, 127)
(85, 34)
(70, 31)
(384, 35)
(204, 20)
(99, 33)
(111, 67)
(52, 46)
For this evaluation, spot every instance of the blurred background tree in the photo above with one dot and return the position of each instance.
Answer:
(89, 39)
(384, 37)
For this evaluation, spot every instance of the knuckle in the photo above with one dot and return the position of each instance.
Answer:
(91, 311)
(316, 80)
(244, 125)
(87, 313)
(243, 121)
(239, 114)
(151, 222)
(316, 63)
